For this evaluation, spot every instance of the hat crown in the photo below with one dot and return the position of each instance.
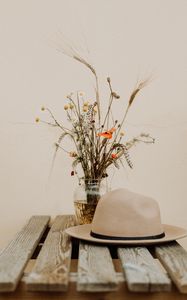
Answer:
(121, 213)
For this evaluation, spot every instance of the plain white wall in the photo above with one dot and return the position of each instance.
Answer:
(126, 39)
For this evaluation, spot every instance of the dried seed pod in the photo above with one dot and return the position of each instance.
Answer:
(115, 95)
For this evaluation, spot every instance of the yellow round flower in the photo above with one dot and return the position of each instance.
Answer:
(86, 103)
(85, 108)
(66, 106)
(71, 106)
(95, 109)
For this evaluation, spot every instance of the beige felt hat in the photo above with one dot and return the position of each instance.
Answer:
(124, 217)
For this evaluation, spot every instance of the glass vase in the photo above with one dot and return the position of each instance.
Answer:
(86, 197)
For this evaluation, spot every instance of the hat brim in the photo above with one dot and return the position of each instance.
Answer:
(82, 232)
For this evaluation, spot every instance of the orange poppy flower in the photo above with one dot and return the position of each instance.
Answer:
(107, 134)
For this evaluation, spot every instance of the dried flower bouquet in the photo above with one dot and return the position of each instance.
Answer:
(99, 140)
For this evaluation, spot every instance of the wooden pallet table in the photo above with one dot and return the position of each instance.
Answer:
(43, 262)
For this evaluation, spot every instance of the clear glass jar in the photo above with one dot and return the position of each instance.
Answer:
(86, 197)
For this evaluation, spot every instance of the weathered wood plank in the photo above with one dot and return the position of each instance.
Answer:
(15, 256)
(51, 270)
(142, 273)
(174, 258)
(95, 269)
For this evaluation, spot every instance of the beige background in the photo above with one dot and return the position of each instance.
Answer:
(127, 39)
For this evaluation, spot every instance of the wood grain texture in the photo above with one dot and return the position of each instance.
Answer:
(15, 256)
(142, 273)
(174, 258)
(95, 269)
(121, 294)
(51, 270)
